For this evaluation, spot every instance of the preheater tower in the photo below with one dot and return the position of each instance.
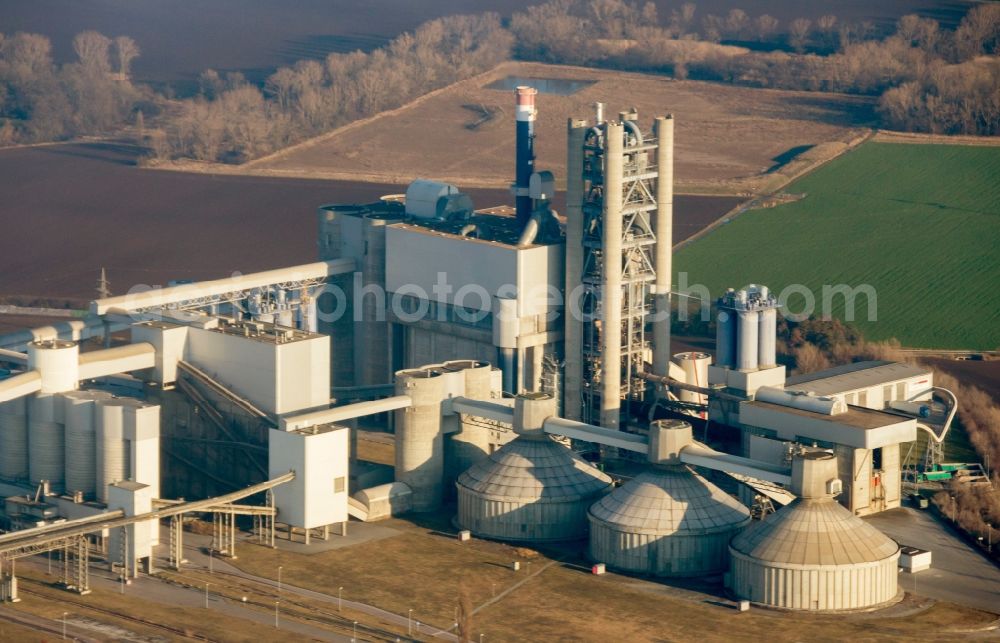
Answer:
(618, 248)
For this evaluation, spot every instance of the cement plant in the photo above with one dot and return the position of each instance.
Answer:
(501, 372)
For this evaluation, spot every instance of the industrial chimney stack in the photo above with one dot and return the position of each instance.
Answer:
(525, 116)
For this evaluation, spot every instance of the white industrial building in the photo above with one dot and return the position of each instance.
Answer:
(250, 383)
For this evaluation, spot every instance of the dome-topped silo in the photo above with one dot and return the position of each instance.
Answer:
(813, 554)
(533, 488)
(668, 520)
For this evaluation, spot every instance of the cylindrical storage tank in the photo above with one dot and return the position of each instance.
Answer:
(14, 439)
(79, 413)
(813, 554)
(725, 338)
(746, 344)
(419, 441)
(766, 338)
(472, 443)
(422, 197)
(695, 367)
(46, 441)
(533, 489)
(668, 521)
(58, 362)
(113, 453)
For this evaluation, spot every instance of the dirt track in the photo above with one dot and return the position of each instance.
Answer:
(727, 138)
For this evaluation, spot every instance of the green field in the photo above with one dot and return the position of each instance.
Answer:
(919, 223)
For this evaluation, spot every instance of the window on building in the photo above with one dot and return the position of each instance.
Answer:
(863, 398)
(877, 459)
(887, 394)
(340, 484)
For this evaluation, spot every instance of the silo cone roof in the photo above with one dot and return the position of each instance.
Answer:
(668, 501)
(534, 470)
(814, 532)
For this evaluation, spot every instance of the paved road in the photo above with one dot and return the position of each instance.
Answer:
(957, 574)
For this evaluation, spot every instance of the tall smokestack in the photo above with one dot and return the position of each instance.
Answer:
(663, 225)
(525, 116)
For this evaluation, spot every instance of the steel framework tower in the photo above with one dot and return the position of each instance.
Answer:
(624, 273)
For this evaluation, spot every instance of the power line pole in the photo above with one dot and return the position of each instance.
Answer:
(103, 285)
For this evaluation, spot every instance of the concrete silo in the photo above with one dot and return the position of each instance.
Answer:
(14, 439)
(813, 554)
(471, 444)
(532, 489)
(419, 439)
(669, 520)
(80, 414)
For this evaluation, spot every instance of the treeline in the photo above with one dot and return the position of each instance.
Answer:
(40, 101)
(233, 121)
(928, 79)
(975, 509)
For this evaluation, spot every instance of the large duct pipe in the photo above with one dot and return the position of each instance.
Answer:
(525, 163)
(573, 371)
(611, 331)
(663, 225)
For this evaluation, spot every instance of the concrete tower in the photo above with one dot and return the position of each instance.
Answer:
(618, 236)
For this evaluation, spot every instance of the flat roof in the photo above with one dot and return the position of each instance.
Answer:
(319, 429)
(855, 416)
(852, 377)
(497, 224)
(265, 332)
(858, 427)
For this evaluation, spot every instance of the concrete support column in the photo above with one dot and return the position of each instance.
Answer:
(611, 285)
(663, 226)
(373, 351)
(573, 373)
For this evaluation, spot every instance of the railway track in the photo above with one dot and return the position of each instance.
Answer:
(177, 632)
(295, 608)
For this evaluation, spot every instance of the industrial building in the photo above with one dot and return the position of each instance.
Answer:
(480, 352)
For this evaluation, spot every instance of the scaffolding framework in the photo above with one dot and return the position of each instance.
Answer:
(619, 245)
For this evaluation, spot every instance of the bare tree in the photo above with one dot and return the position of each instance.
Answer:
(27, 54)
(979, 31)
(798, 33)
(712, 27)
(92, 49)
(125, 52)
(682, 19)
(736, 23)
(827, 25)
(919, 32)
(767, 26)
